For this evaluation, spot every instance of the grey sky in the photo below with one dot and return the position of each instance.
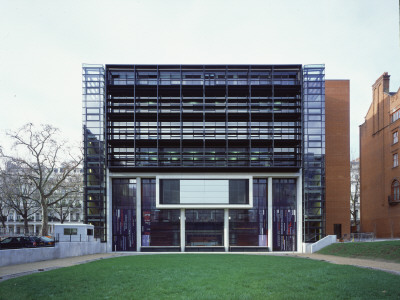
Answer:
(44, 43)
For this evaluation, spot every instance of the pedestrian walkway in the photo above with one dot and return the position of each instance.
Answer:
(12, 271)
(390, 267)
(40, 266)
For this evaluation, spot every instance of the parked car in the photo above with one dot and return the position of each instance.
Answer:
(47, 242)
(18, 242)
(38, 240)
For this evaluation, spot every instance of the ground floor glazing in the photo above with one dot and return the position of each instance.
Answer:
(268, 221)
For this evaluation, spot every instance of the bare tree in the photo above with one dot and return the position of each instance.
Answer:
(63, 208)
(4, 209)
(48, 163)
(17, 192)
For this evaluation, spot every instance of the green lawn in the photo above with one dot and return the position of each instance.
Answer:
(387, 251)
(204, 276)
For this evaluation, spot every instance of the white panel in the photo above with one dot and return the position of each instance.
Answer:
(217, 189)
(204, 191)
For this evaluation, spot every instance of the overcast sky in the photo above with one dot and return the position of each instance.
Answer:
(44, 43)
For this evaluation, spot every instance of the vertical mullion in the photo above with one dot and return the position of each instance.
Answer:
(226, 117)
(204, 116)
(273, 114)
(249, 107)
(158, 125)
(181, 116)
(134, 115)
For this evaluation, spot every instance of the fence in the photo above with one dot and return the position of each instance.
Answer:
(362, 237)
(75, 238)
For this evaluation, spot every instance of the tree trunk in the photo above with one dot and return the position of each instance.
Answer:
(45, 220)
(26, 227)
(3, 221)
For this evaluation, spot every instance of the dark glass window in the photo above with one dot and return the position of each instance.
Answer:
(169, 191)
(248, 227)
(70, 231)
(204, 227)
(124, 192)
(284, 207)
(238, 191)
(124, 214)
(159, 227)
(190, 121)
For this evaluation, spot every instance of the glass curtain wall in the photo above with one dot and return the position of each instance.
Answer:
(124, 214)
(204, 227)
(248, 227)
(94, 148)
(159, 227)
(314, 152)
(284, 208)
(204, 116)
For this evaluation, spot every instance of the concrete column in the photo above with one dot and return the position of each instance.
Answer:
(226, 229)
(183, 220)
(138, 214)
(109, 211)
(34, 229)
(269, 204)
(69, 217)
(299, 200)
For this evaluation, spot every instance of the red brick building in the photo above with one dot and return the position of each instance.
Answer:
(337, 161)
(379, 162)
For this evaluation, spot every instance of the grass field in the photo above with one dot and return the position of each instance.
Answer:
(204, 276)
(386, 251)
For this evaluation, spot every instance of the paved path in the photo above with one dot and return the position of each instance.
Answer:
(45, 265)
(390, 267)
(25, 269)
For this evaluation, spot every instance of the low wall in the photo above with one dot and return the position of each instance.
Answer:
(322, 243)
(61, 250)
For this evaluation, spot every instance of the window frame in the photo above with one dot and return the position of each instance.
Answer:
(395, 160)
(395, 190)
(395, 136)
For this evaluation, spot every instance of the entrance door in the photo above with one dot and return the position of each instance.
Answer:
(337, 230)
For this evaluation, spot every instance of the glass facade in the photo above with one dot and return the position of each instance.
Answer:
(203, 116)
(124, 214)
(284, 209)
(248, 227)
(93, 91)
(159, 227)
(314, 152)
(204, 227)
(200, 119)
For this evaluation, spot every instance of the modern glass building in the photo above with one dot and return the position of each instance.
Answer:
(205, 157)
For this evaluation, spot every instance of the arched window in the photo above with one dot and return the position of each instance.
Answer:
(395, 191)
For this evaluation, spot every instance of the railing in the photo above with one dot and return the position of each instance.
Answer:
(362, 237)
(75, 238)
